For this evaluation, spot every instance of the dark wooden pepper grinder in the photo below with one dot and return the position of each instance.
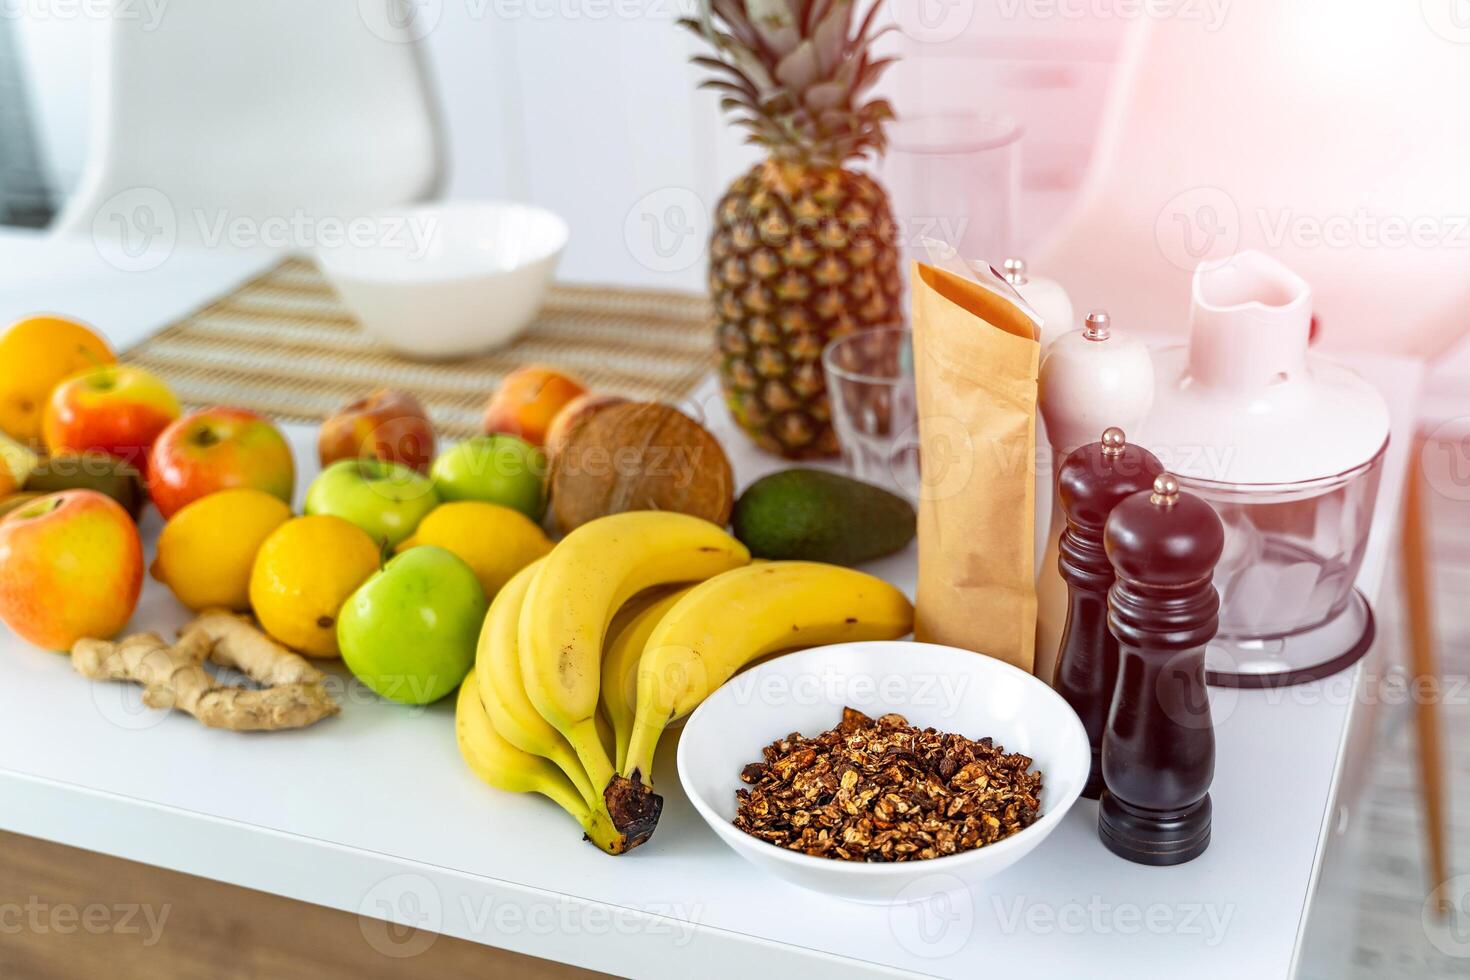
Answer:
(1091, 481)
(1158, 751)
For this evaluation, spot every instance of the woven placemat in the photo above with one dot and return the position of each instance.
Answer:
(284, 345)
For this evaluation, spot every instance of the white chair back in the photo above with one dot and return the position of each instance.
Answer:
(234, 114)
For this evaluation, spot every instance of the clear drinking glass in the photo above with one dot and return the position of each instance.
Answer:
(870, 385)
(955, 176)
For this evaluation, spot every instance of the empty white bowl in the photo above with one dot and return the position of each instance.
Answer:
(952, 690)
(449, 279)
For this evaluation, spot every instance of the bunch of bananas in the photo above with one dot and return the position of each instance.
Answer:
(626, 626)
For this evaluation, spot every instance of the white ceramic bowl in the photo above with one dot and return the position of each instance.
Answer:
(952, 690)
(449, 279)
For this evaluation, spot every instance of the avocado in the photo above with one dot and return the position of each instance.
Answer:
(815, 515)
(90, 470)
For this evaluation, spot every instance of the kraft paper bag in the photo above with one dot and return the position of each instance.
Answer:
(976, 359)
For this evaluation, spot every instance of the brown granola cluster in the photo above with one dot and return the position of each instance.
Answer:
(886, 791)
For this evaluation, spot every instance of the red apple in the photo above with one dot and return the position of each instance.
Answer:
(218, 449)
(113, 407)
(389, 425)
(71, 566)
(527, 401)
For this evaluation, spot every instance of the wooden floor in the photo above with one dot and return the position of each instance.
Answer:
(66, 914)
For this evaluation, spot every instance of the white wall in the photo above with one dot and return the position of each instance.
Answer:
(590, 108)
(599, 118)
(595, 117)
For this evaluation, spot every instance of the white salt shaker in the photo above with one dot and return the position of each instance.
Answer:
(1046, 297)
(1091, 379)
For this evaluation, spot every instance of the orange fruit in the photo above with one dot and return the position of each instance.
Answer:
(36, 354)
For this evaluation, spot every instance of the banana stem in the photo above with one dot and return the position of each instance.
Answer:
(624, 736)
(634, 809)
(569, 800)
(638, 761)
(600, 831)
(568, 763)
(638, 764)
(588, 744)
(596, 822)
(605, 733)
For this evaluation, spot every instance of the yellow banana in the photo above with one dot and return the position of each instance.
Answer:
(626, 638)
(506, 767)
(605, 733)
(503, 692)
(587, 577)
(745, 614)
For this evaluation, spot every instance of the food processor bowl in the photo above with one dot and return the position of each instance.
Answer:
(1287, 446)
(1292, 550)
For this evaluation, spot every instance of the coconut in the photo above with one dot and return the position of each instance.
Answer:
(639, 456)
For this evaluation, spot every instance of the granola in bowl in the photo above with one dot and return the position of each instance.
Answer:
(952, 690)
(882, 790)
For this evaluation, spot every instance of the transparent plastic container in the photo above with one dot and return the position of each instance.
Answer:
(1292, 550)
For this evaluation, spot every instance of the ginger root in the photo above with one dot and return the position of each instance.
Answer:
(174, 676)
(240, 645)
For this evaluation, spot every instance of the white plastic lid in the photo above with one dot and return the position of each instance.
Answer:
(1245, 403)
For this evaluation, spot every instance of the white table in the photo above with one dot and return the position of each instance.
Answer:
(40, 273)
(375, 813)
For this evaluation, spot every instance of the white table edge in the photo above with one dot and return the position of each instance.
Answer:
(190, 842)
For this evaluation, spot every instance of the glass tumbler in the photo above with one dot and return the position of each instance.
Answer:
(870, 385)
(955, 177)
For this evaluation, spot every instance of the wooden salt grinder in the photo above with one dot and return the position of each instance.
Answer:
(1092, 481)
(1158, 751)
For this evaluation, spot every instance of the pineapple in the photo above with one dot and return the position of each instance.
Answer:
(803, 248)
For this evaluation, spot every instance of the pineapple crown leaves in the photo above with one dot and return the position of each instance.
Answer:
(796, 74)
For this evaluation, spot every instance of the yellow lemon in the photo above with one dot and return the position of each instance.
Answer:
(493, 540)
(206, 550)
(304, 572)
(36, 354)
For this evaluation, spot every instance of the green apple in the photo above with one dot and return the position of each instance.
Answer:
(409, 632)
(387, 500)
(497, 469)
